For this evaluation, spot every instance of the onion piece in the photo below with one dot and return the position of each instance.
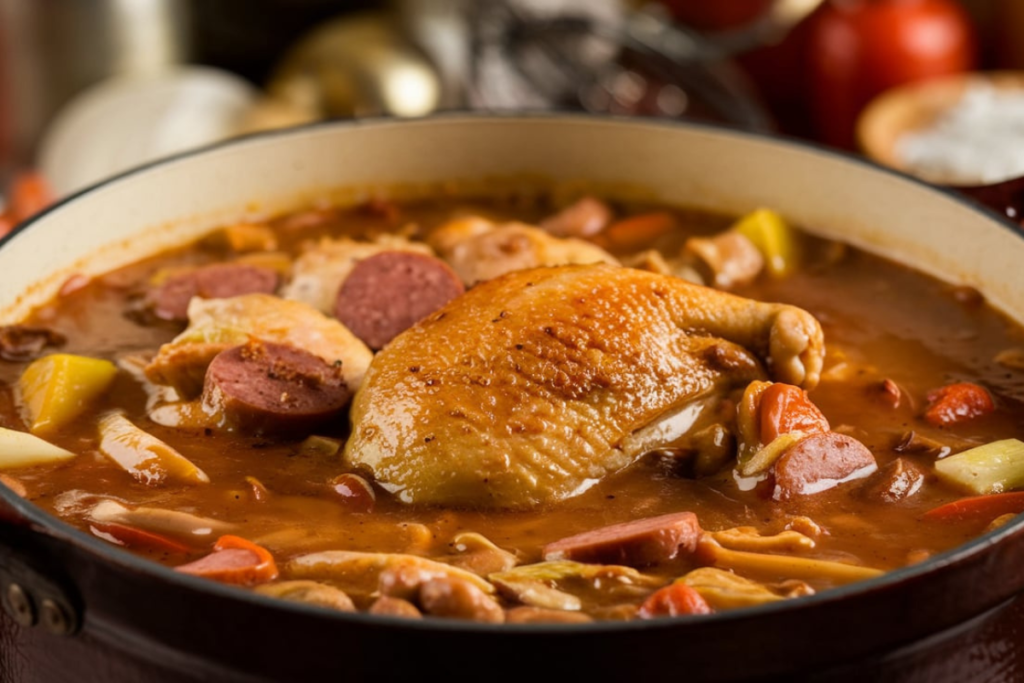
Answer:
(21, 449)
(148, 459)
(181, 525)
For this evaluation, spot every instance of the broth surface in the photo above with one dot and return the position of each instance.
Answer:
(881, 322)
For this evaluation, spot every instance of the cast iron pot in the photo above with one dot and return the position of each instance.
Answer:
(79, 609)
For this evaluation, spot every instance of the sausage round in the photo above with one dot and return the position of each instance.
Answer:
(265, 388)
(820, 462)
(585, 218)
(897, 481)
(217, 281)
(635, 544)
(390, 292)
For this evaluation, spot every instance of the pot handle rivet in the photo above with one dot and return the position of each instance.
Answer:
(19, 605)
(55, 618)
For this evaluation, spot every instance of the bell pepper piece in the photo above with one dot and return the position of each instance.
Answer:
(983, 508)
(778, 242)
(56, 389)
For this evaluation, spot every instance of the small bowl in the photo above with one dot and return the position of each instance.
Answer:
(912, 107)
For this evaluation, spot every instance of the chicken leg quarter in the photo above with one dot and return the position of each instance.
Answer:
(524, 390)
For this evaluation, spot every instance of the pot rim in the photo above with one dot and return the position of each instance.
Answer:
(45, 523)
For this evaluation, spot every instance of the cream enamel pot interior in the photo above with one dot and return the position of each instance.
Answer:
(129, 616)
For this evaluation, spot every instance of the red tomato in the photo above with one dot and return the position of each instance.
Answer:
(959, 402)
(858, 48)
(674, 600)
(785, 408)
(122, 534)
(7, 222)
(29, 194)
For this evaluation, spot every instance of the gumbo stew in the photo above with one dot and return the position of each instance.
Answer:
(518, 410)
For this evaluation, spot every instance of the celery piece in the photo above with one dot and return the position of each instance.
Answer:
(724, 590)
(993, 468)
(777, 241)
(183, 526)
(56, 389)
(21, 449)
(763, 459)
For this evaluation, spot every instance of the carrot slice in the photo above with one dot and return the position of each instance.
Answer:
(673, 600)
(955, 403)
(636, 231)
(7, 222)
(981, 508)
(28, 194)
(236, 561)
(785, 408)
(131, 537)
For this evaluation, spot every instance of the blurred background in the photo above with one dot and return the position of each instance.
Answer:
(89, 88)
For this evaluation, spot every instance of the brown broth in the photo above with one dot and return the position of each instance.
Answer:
(891, 322)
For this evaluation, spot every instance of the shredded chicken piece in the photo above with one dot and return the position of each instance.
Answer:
(480, 250)
(728, 259)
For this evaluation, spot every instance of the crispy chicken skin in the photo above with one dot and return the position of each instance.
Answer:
(524, 390)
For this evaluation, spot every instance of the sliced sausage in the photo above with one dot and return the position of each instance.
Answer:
(21, 342)
(897, 481)
(821, 462)
(265, 388)
(635, 544)
(218, 281)
(234, 560)
(584, 218)
(389, 292)
(222, 561)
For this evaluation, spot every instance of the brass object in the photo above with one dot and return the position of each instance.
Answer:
(359, 65)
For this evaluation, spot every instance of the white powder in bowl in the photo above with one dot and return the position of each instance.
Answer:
(979, 140)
